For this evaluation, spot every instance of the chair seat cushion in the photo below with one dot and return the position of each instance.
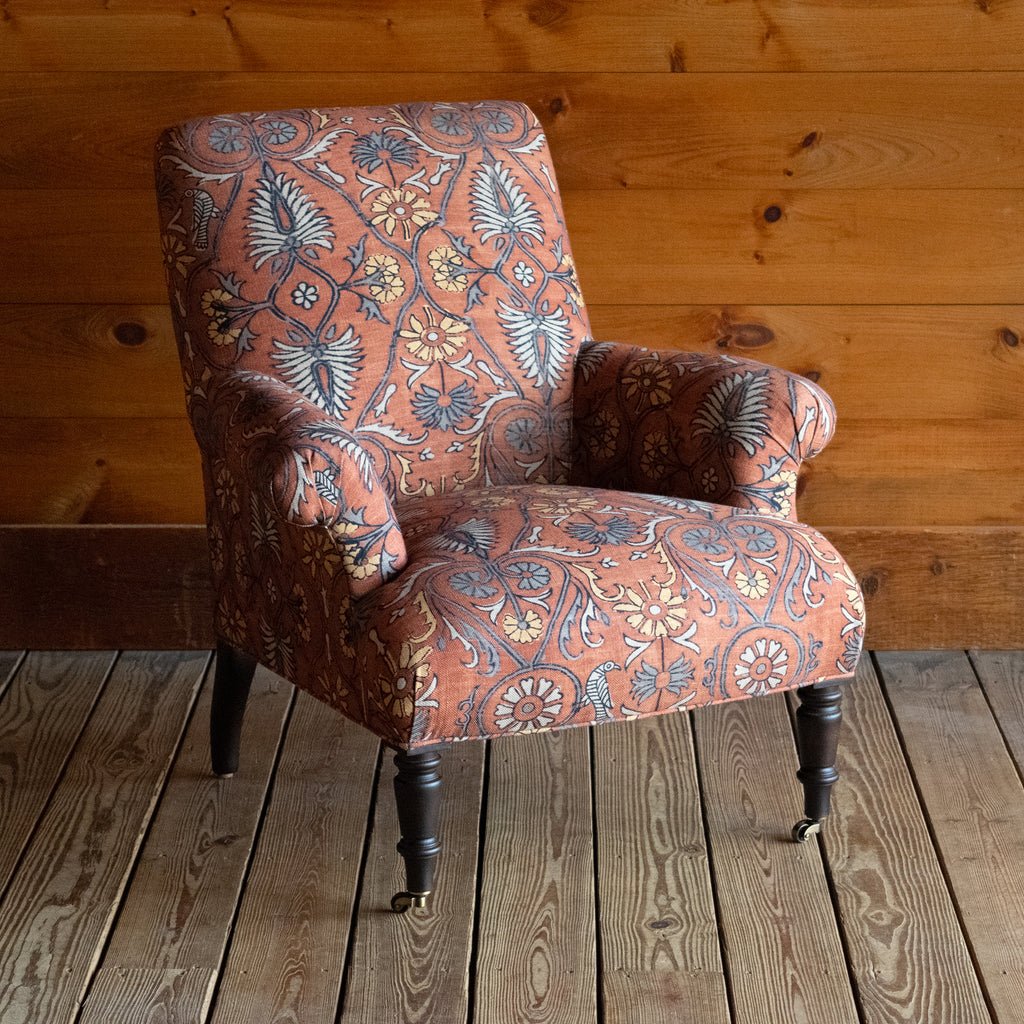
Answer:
(536, 607)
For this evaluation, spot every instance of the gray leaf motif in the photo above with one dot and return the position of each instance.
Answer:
(500, 207)
(541, 340)
(323, 370)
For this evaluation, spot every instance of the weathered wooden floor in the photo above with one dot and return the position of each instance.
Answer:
(638, 873)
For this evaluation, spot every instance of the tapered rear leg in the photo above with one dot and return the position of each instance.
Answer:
(231, 682)
(817, 737)
(418, 799)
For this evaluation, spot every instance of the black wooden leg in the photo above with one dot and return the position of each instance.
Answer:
(817, 738)
(231, 681)
(418, 798)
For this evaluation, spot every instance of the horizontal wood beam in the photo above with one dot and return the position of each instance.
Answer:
(146, 587)
(601, 35)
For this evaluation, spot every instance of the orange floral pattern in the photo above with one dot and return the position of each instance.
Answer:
(421, 471)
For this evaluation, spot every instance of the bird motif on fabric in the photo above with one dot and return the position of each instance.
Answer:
(597, 692)
(204, 209)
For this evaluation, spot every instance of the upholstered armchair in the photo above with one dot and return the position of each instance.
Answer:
(434, 502)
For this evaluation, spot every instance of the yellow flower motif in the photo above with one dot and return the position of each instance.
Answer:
(436, 340)
(401, 208)
(785, 482)
(219, 329)
(399, 693)
(654, 456)
(653, 615)
(321, 552)
(386, 282)
(224, 490)
(649, 380)
(447, 265)
(174, 254)
(523, 628)
(603, 433)
(756, 586)
(360, 568)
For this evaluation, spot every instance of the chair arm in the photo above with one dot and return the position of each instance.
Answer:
(695, 425)
(303, 465)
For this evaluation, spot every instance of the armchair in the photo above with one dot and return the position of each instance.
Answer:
(434, 502)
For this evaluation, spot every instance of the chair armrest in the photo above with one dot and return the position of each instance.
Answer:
(695, 425)
(303, 465)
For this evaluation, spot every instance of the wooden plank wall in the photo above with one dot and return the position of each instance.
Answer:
(835, 188)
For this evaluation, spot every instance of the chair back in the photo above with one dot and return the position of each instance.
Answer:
(405, 268)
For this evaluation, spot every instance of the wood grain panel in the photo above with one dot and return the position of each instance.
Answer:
(946, 130)
(71, 588)
(906, 951)
(101, 470)
(660, 956)
(903, 472)
(972, 794)
(635, 247)
(537, 932)
(871, 246)
(89, 361)
(780, 940)
(967, 361)
(253, 35)
(65, 893)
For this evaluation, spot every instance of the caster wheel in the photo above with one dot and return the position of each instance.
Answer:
(803, 830)
(402, 901)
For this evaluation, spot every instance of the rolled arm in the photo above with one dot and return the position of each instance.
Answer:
(304, 466)
(695, 425)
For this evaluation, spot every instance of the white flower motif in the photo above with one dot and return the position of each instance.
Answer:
(523, 273)
(305, 295)
(528, 705)
(762, 667)
(283, 219)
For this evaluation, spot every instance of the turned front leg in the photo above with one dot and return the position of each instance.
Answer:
(817, 738)
(418, 799)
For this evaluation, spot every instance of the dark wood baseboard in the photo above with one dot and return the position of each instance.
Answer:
(147, 587)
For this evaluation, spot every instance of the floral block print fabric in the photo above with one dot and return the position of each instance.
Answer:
(711, 427)
(388, 370)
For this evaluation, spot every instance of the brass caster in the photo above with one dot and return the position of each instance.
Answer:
(402, 901)
(803, 830)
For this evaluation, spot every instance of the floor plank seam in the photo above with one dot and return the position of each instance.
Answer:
(357, 900)
(598, 948)
(730, 997)
(934, 840)
(474, 942)
(19, 660)
(244, 882)
(1018, 765)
